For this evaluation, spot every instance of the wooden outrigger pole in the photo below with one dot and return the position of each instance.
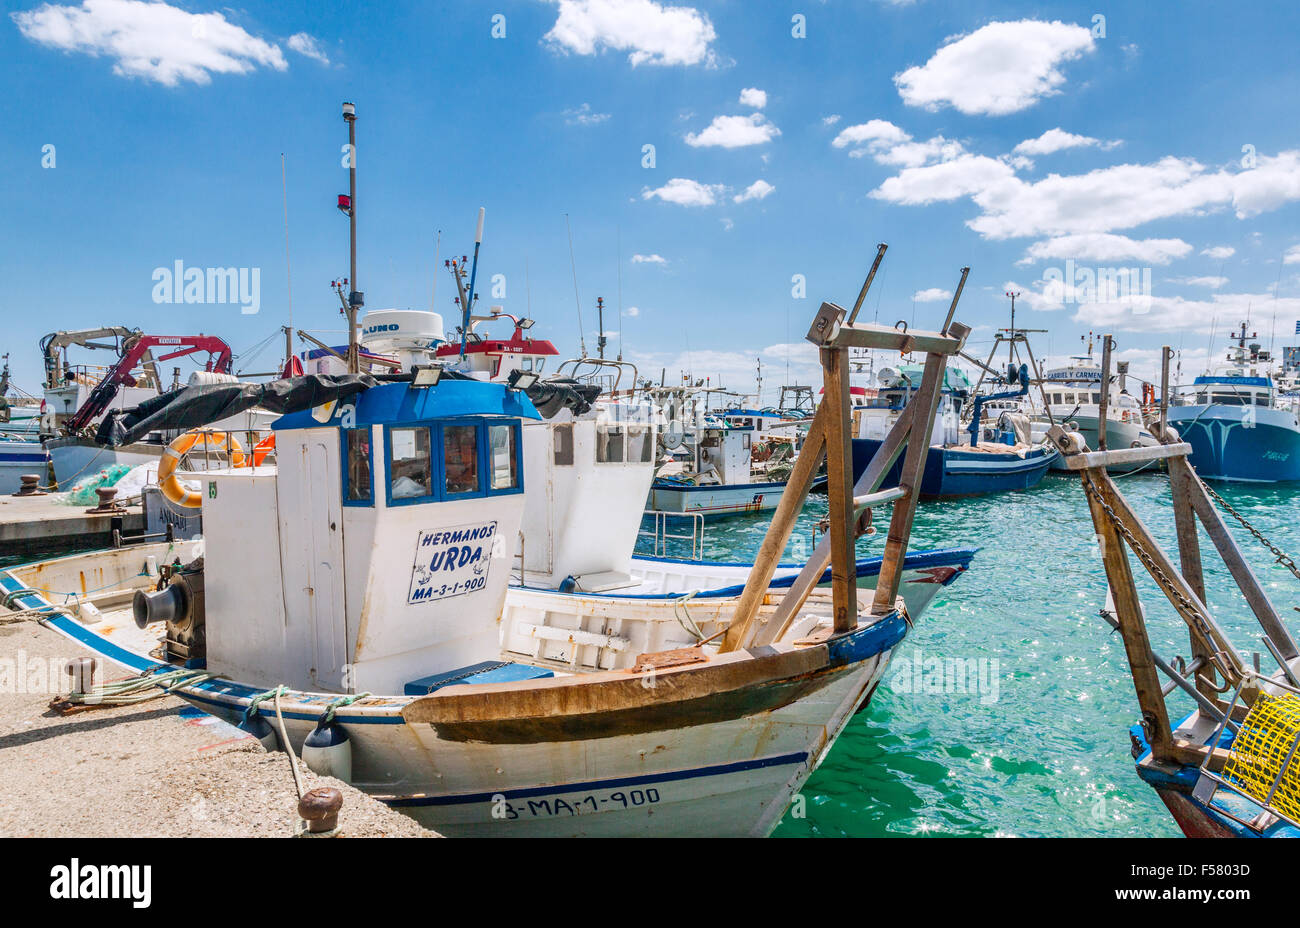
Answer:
(1216, 668)
(830, 436)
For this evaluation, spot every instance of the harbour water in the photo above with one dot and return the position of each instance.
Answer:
(1044, 751)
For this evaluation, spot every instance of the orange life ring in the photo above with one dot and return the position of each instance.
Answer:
(171, 485)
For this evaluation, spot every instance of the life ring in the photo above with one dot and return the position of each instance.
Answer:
(170, 484)
(260, 451)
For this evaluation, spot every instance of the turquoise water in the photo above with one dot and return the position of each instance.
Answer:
(1045, 752)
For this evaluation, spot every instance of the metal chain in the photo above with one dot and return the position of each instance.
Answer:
(1277, 552)
(1188, 608)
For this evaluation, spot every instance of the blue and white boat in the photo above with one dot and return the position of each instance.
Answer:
(962, 460)
(1236, 422)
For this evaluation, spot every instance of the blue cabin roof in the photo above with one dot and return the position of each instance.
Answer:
(401, 402)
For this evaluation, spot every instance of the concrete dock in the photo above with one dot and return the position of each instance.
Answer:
(35, 524)
(156, 769)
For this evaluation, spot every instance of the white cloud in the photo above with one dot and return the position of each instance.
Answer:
(649, 259)
(1214, 283)
(584, 116)
(734, 132)
(1000, 68)
(888, 144)
(651, 33)
(632, 311)
(686, 192)
(755, 191)
(931, 295)
(752, 96)
(304, 44)
(1219, 252)
(1292, 255)
(1176, 314)
(153, 41)
(1104, 246)
(831, 119)
(1118, 197)
(1054, 140)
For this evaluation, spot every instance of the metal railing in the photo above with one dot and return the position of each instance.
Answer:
(661, 535)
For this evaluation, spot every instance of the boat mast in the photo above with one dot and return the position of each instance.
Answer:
(355, 298)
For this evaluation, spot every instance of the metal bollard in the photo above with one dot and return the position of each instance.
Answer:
(319, 808)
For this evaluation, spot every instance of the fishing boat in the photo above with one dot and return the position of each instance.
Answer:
(352, 593)
(1238, 426)
(1074, 395)
(1225, 768)
(977, 458)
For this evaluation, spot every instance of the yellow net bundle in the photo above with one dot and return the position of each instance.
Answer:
(1267, 737)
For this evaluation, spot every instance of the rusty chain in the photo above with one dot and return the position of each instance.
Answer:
(1171, 589)
(1282, 558)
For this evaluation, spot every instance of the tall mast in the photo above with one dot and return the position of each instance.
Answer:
(355, 298)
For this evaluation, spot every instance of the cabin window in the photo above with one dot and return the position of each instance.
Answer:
(1096, 398)
(505, 461)
(639, 445)
(609, 446)
(411, 471)
(360, 484)
(460, 459)
(1056, 398)
(563, 444)
(541, 363)
(525, 364)
(746, 440)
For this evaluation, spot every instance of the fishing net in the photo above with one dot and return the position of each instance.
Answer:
(1264, 746)
(83, 492)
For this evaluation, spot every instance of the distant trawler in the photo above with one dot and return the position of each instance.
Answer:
(1232, 418)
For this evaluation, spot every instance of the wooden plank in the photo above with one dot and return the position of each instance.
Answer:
(1189, 556)
(1213, 634)
(1137, 646)
(839, 488)
(812, 571)
(778, 531)
(1246, 580)
(925, 402)
(1107, 344)
(828, 332)
(1088, 460)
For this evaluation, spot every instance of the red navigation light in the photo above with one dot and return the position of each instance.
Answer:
(345, 202)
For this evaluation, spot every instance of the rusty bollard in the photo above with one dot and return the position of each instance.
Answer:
(107, 505)
(319, 808)
(82, 672)
(31, 485)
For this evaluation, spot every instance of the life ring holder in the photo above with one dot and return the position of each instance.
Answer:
(171, 485)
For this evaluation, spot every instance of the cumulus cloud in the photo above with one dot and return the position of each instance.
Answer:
(1107, 247)
(1001, 68)
(584, 116)
(734, 132)
(1292, 255)
(305, 45)
(1054, 140)
(686, 192)
(752, 96)
(651, 33)
(1214, 283)
(755, 191)
(649, 259)
(931, 295)
(831, 119)
(1219, 252)
(888, 144)
(152, 41)
(1104, 200)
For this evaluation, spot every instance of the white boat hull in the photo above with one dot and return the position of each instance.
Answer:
(716, 500)
(21, 457)
(75, 459)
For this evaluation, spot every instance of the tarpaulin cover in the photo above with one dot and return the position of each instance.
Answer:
(195, 406)
(550, 396)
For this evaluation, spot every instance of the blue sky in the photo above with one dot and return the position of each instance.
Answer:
(1009, 137)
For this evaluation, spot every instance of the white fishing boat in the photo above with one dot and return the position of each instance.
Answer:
(354, 591)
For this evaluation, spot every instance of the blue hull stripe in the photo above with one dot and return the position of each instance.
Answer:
(645, 779)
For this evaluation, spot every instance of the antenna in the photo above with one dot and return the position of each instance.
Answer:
(288, 270)
(573, 264)
(437, 250)
(619, 239)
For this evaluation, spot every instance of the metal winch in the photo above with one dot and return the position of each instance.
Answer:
(177, 599)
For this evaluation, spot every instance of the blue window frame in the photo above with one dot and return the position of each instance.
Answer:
(358, 466)
(459, 456)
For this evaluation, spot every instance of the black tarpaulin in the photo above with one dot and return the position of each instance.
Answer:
(201, 404)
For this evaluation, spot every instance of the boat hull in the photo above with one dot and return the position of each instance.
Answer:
(717, 500)
(75, 459)
(954, 472)
(1227, 445)
(21, 457)
(1118, 435)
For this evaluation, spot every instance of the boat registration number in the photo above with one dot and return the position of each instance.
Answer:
(570, 804)
(451, 561)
